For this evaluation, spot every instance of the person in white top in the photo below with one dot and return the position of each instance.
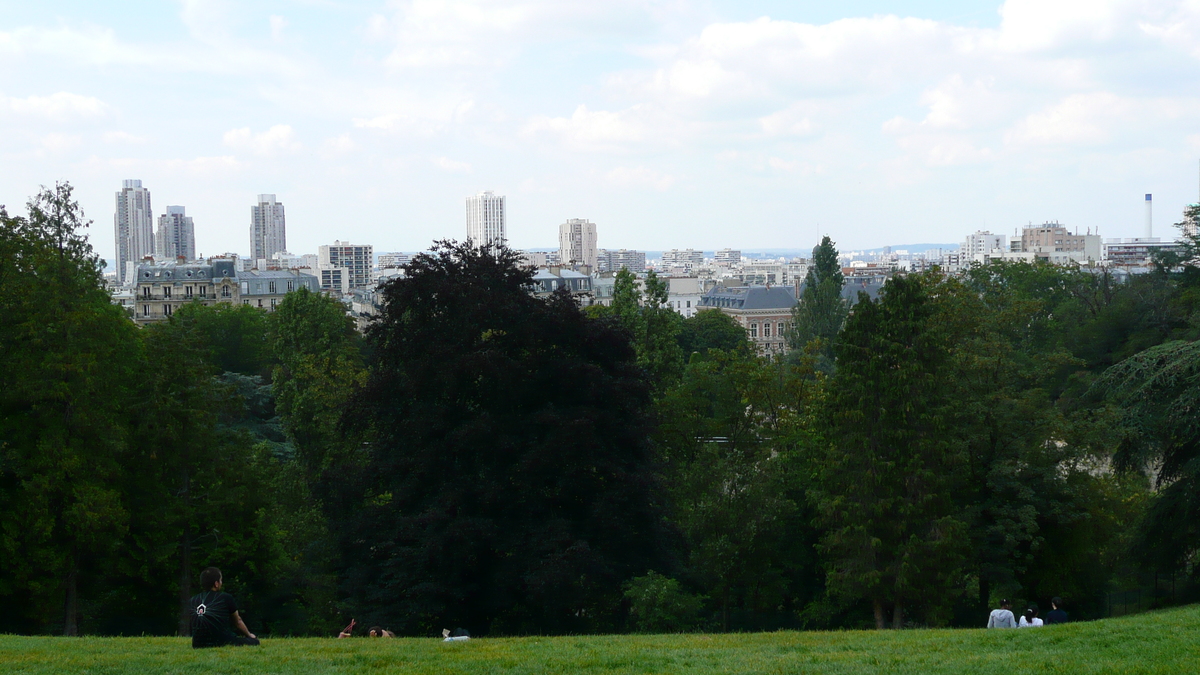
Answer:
(1003, 617)
(1030, 619)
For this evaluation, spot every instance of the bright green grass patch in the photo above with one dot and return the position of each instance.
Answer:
(1158, 642)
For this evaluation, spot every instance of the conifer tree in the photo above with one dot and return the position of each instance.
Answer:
(821, 311)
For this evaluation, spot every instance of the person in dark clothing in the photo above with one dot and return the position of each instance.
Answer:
(1056, 614)
(215, 615)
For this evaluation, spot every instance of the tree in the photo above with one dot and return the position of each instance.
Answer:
(506, 484)
(822, 311)
(319, 367)
(731, 439)
(1158, 392)
(886, 482)
(654, 326)
(711, 329)
(63, 398)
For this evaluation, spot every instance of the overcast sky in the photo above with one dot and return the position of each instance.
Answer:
(669, 123)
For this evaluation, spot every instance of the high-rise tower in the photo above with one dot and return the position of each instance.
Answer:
(268, 228)
(577, 242)
(485, 219)
(176, 235)
(133, 226)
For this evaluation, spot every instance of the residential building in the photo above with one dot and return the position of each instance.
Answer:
(268, 228)
(764, 312)
(1137, 252)
(984, 243)
(133, 227)
(283, 260)
(390, 260)
(163, 286)
(334, 280)
(265, 289)
(551, 279)
(357, 259)
(1050, 238)
(537, 259)
(686, 258)
(728, 257)
(485, 219)
(684, 294)
(614, 261)
(176, 236)
(577, 242)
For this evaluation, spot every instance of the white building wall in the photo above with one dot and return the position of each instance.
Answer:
(268, 228)
(485, 219)
(133, 228)
(577, 242)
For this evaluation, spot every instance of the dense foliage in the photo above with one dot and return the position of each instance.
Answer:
(488, 459)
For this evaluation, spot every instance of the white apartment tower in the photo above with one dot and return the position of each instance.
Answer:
(357, 259)
(268, 228)
(577, 242)
(133, 226)
(176, 235)
(485, 219)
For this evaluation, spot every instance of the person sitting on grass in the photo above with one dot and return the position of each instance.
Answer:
(1003, 617)
(376, 631)
(215, 614)
(1030, 620)
(1056, 613)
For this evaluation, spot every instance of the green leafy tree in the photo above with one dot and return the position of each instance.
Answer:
(885, 486)
(63, 400)
(506, 484)
(319, 366)
(711, 329)
(1158, 391)
(821, 311)
(654, 326)
(658, 604)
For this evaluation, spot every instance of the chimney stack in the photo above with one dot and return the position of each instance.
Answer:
(1149, 217)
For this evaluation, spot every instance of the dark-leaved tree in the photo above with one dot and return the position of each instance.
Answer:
(506, 482)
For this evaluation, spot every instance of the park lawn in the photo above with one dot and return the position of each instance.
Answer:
(1158, 642)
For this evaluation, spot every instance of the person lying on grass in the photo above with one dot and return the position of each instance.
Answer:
(215, 614)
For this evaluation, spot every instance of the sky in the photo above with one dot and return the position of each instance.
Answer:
(668, 123)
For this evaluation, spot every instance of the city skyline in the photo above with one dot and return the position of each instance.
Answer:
(670, 124)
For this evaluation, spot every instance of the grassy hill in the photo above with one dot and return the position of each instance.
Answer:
(1158, 642)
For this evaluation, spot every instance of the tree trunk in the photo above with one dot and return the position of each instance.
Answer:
(185, 582)
(71, 604)
(878, 614)
(898, 615)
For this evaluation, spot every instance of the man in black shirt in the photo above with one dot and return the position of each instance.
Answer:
(215, 614)
(1056, 614)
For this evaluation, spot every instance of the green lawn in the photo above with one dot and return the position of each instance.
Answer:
(1158, 642)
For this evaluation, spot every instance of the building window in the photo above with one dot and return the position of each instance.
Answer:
(766, 329)
(271, 287)
(245, 302)
(781, 329)
(203, 291)
(187, 291)
(166, 310)
(260, 302)
(272, 303)
(291, 286)
(754, 330)
(689, 304)
(166, 291)
(145, 310)
(145, 291)
(225, 291)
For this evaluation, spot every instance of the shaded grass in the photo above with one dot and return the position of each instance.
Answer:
(1159, 642)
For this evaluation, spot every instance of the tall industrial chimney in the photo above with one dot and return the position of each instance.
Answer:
(1149, 218)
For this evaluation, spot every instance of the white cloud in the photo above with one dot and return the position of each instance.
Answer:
(792, 121)
(1079, 119)
(610, 131)
(278, 23)
(60, 142)
(58, 107)
(450, 165)
(338, 145)
(279, 139)
(124, 138)
(639, 177)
